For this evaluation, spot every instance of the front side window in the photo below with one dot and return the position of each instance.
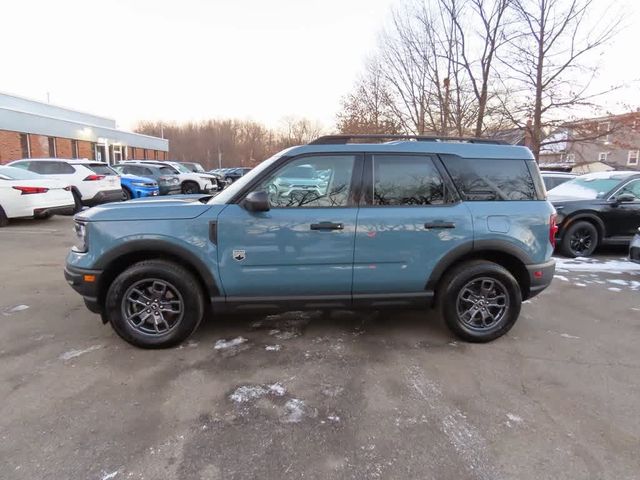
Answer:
(313, 181)
(632, 188)
(492, 180)
(406, 180)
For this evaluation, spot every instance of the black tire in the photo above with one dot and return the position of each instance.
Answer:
(122, 299)
(4, 220)
(126, 194)
(456, 302)
(190, 187)
(580, 240)
(77, 202)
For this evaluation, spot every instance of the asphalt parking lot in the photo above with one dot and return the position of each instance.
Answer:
(363, 396)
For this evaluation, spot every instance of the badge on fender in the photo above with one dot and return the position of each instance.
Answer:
(239, 255)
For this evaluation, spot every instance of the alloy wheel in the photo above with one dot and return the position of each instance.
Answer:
(152, 306)
(482, 303)
(581, 241)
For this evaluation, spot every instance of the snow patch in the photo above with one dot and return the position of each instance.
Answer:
(76, 353)
(223, 344)
(561, 277)
(247, 393)
(580, 284)
(296, 410)
(590, 264)
(614, 289)
(514, 418)
(109, 476)
(273, 348)
(566, 335)
(13, 309)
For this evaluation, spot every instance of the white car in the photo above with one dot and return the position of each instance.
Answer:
(190, 182)
(92, 183)
(26, 194)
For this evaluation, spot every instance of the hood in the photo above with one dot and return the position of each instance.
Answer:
(172, 207)
(208, 176)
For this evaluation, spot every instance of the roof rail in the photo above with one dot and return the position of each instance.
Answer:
(347, 138)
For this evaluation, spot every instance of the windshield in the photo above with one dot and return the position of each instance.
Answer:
(229, 192)
(588, 188)
(197, 168)
(12, 173)
(181, 168)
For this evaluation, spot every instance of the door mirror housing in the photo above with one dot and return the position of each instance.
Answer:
(257, 202)
(625, 198)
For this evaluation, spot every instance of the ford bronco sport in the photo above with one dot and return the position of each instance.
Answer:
(399, 221)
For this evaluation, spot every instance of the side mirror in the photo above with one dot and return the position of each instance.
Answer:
(257, 202)
(625, 198)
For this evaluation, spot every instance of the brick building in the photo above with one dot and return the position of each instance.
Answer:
(31, 129)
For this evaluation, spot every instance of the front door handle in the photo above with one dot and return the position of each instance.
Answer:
(437, 225)
(327, 226)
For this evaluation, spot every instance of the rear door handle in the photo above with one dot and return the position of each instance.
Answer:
(327, 226)
(435, 225)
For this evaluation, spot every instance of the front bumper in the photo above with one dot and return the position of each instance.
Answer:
(87, 284)
(540, 276)
(104, 196)
(170, 189)
(634, 250)
(142, 192)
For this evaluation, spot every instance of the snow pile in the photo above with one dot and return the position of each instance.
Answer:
(247, 393)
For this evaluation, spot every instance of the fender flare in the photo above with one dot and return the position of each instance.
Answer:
(471, 247)
(161, 246)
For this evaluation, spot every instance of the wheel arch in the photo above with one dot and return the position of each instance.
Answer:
(117, 260)
(584, 216)
(502, 253)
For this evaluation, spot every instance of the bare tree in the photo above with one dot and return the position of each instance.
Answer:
(548, 61)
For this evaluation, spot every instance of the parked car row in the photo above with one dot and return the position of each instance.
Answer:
(229, 175)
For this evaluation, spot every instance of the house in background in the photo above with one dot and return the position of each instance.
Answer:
(592, 145)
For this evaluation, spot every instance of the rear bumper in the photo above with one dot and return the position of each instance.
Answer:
(86, 283)
(634, 250)
(61, 210)
(540, 276)
(105, 196)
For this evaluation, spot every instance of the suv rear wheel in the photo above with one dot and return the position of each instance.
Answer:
(154, 304)
(480, 301)
(579, 240)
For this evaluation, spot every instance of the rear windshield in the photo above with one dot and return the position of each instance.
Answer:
(494, 180)
(12, 173)
(100, 169)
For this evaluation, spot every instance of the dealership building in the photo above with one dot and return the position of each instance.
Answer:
(31, 129)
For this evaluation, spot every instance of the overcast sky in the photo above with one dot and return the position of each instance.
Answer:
(194, 59)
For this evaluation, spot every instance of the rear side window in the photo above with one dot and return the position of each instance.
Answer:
(492, 180)
(406, 180)
(99, 168)
(167, 171)
(51, 168)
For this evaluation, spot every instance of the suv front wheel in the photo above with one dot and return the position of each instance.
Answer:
(154, 304)
(480, 300)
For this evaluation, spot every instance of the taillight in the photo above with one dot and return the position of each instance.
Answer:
(93, 177)
(553, 229)
(30, 190)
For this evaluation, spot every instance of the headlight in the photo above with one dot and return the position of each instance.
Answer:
(81, 237)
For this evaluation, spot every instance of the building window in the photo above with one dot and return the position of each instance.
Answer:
(133, 153)
(74, 149)
(632, 159)
(604, 129)
(155, 154)
(52, 147)
(603, 156)
(571, 158)
(25, 145)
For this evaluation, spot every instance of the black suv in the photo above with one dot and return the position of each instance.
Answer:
(596, 209)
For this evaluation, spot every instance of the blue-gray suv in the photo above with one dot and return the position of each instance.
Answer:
(392, 222)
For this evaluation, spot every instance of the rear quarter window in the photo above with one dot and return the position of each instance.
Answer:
(100, 169)
(494, 180)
